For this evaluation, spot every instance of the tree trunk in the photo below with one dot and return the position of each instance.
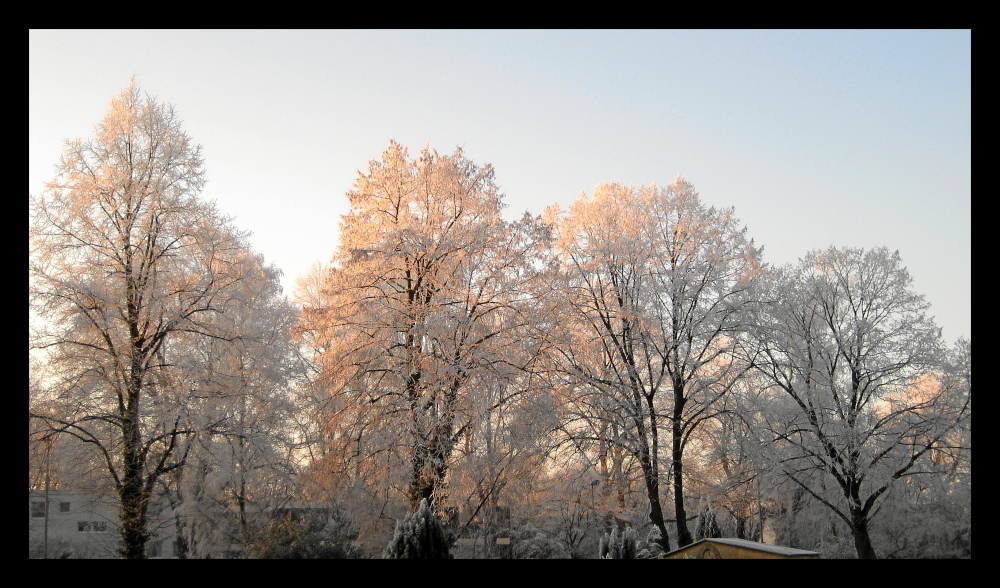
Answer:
(651, 473)
(862, 542)
(422, 481)
(655, 510)
(134, 506)
(429, 466)
(676, 454)
(132, 493)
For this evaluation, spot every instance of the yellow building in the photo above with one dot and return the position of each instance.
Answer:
(738, 549)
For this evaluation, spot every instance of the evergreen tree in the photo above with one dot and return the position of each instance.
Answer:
(307, 535)
(420, 535)
(708, 524)
(615, 546)
(652, 548)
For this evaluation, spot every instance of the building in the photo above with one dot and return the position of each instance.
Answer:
(724, 548)
(80, 525)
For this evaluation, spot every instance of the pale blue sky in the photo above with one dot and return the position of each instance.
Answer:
(817, 138)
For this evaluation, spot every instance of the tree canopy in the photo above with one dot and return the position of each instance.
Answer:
(514, 387)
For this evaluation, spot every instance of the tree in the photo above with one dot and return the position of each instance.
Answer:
(306, 534)
(847, 343)
(128, 269)
(619, 546)
(654, 286)
(420, 535)
(240, 466)
(500, 458)
(419, 310)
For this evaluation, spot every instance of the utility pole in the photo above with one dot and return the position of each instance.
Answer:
(45, 540)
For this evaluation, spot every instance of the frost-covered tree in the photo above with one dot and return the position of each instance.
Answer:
(420, 535)
(128, 269)
(500, 459)
(651, 547)
(325, 533)
(617, 545)
(420, 310)
(241, 464)
(649, 305)
(708, 523)
(731, 465)
(847, 349)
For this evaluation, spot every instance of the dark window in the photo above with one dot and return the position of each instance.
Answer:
(38, 509)
(91, 526)
(63, 507)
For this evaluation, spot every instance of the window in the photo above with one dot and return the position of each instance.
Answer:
(91, 526)
(38, 509)
(63, 507)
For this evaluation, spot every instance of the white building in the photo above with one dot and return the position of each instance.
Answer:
(79, 525)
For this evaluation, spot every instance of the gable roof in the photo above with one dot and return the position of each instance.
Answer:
(752, 545)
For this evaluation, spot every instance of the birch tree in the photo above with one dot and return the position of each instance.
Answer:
(128, 268)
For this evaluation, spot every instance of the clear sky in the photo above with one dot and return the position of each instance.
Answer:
(817, 138)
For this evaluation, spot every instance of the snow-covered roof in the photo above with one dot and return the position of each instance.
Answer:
(754, 545)
(762, 546)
